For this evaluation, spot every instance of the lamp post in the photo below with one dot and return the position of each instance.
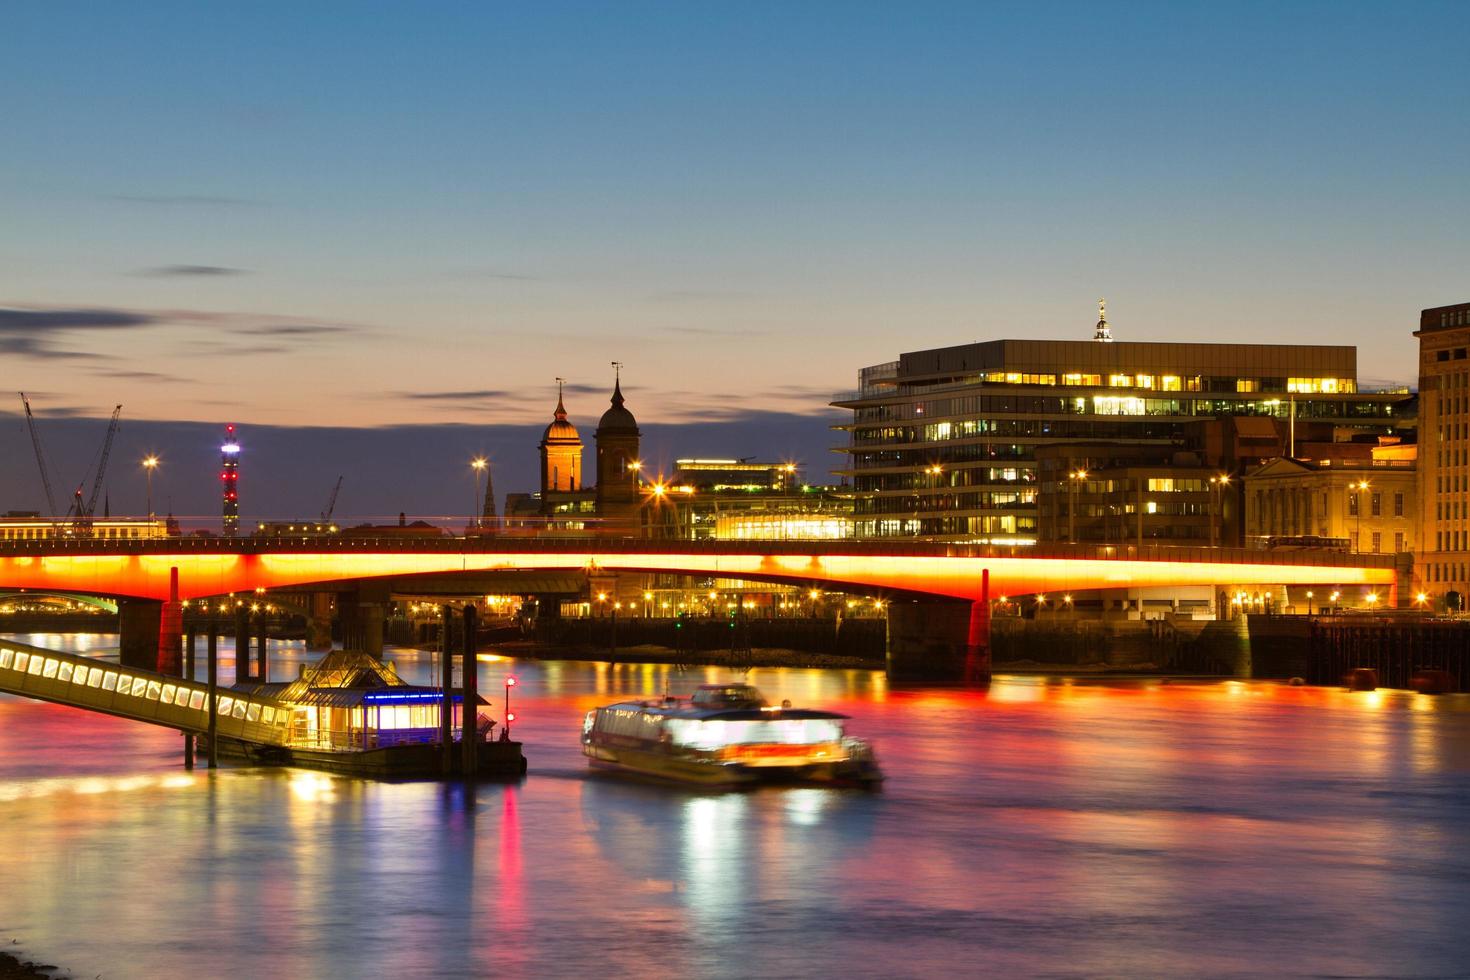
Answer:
(477, 464)
(150, 463)
(1309, 602)
(1358, 489)
(510, 716)
(1074, 480)
(1217, 485)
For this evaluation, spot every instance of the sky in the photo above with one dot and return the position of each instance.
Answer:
(412, 218)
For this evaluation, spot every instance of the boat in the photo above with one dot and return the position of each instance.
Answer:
(727, 735)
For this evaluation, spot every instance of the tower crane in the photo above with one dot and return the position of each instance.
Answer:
(84, 514)
(332, 502)
(40, 456)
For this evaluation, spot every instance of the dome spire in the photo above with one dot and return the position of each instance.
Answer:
(561, 410)
(1103, 334)
(617, 396)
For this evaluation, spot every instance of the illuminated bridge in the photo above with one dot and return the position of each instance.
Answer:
(921, 576)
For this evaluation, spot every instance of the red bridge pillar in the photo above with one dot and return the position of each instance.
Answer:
(977, 644)
(170, 630)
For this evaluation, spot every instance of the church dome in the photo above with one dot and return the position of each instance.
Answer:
(560, 430)
(617, 419)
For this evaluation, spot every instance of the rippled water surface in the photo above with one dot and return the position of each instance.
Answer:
(1043, 828)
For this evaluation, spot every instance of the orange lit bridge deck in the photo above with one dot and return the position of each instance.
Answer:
(217, 566)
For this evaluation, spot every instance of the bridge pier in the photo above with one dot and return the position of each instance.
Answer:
(262, 648)
(944, 642)
(319, 622)
(362, 616)
(138, 625)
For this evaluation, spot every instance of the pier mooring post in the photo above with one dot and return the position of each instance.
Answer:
(191, 635)
(212, 653)
(262, 646)
(242, 643)
(469, 713)
(446, 682)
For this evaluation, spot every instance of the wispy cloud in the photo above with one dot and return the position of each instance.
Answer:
(297, 330)
(452, 396)
(192, 270)
(150, 376)
(26, 321)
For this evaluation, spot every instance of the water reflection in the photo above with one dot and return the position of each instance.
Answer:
(1047, 827)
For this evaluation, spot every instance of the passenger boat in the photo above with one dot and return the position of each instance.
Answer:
(727, 735)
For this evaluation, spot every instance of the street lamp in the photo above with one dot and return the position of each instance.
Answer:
(150, 463)
(1217, 485)
(477, 464)
(1358, 489)
(1309, 602)
(510, 716)
(1074, 479)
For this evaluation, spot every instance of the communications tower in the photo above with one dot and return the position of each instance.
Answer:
(229, 475)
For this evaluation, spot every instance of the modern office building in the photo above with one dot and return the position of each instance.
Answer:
(1444, 459)
(943, 443)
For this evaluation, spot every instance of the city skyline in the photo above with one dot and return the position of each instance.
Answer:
(276, 231)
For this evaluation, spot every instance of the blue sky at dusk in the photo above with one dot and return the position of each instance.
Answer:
(414, 215)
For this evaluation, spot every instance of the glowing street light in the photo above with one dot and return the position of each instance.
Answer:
(150, 463)
(477, 464)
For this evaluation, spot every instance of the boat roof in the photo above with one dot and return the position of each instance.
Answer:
(677, 708)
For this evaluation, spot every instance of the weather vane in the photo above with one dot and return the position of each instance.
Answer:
(617, 371)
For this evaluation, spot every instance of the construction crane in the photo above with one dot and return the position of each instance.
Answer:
(84, 514)
(40, 456)
(332, 502)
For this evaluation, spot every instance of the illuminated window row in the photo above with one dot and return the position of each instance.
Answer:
(121, 682)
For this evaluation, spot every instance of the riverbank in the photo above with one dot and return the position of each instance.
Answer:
(14, 968)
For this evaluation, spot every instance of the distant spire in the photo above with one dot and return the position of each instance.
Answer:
(107, 503)
(489, 507)
(617, 398)
(561, 411)
(1102, 334)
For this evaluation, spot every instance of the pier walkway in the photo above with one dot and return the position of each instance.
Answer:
(138, 695)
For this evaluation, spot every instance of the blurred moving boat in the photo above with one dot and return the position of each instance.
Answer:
(727, 735)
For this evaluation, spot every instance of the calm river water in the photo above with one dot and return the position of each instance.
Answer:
(1045, 827)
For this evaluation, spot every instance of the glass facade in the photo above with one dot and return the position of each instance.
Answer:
(943, 443)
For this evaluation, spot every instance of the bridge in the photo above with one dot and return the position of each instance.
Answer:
(942, 591)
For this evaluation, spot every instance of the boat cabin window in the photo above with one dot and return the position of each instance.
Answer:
(727, 695)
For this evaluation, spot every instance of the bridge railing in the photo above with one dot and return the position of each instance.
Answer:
(140, 695)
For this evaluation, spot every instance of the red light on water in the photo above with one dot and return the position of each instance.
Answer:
(511, 716)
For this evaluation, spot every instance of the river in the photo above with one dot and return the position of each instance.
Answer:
(1047, 827)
